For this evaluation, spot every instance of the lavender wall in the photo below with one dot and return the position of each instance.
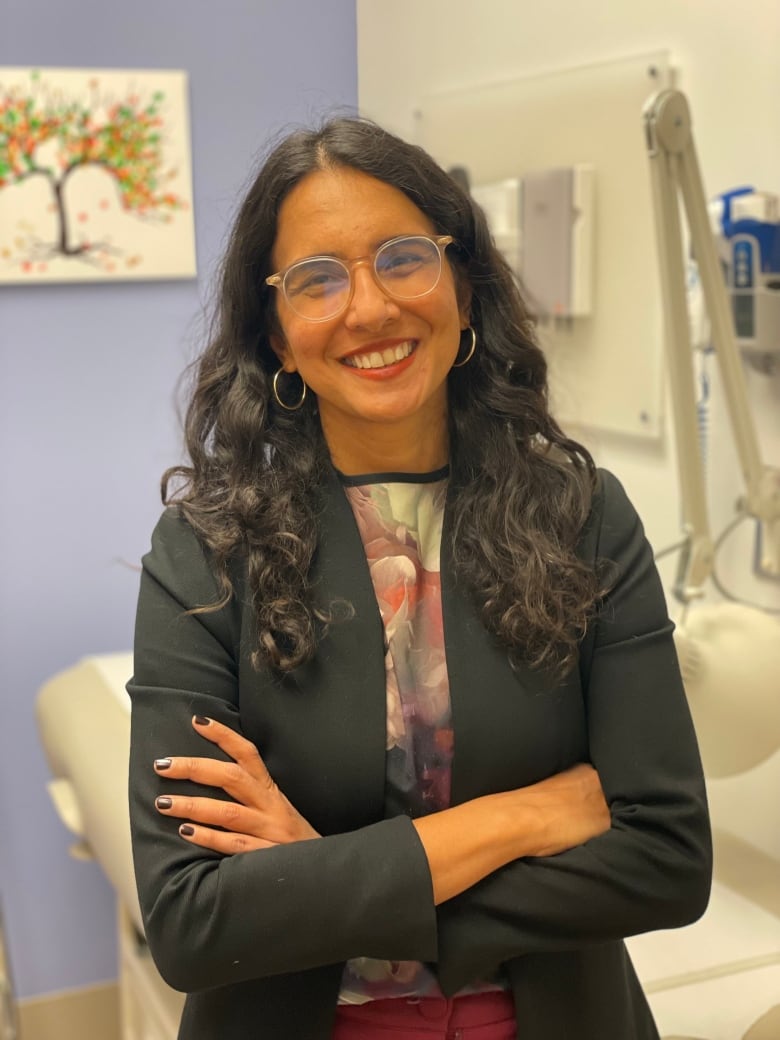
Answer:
(87, 422)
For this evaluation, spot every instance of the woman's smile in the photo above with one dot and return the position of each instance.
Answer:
(378, 357)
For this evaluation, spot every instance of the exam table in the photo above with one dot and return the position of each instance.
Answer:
(83, 719)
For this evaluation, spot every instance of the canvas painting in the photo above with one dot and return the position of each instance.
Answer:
(95, 175)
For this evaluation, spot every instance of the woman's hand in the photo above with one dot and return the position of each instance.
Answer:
(260, 815)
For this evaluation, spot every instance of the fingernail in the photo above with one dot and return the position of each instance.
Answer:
(186, 830)
(162, 763)
(163, 802)
(200, 720)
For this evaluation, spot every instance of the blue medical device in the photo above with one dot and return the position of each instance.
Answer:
(752, 259)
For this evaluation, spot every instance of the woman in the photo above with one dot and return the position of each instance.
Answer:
(410, 748)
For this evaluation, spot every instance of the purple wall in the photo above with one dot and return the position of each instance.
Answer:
(87, 421)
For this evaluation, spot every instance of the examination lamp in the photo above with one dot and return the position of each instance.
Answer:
(729, 653)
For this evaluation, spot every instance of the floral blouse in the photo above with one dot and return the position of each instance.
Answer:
(399, 517)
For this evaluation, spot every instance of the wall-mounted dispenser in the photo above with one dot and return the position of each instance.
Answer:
(543, 224)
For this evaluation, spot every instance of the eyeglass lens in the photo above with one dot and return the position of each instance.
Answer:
(405, 268)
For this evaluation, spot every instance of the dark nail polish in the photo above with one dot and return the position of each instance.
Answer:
(163, 802)
(187, 830)
(201, 720)
(162, 763)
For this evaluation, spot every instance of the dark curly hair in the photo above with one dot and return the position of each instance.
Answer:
(520, 489)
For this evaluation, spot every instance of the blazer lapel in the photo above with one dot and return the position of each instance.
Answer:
(332, 711)
(512, 727)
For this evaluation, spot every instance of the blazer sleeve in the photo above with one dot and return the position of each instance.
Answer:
(211, 920)
(652, 869)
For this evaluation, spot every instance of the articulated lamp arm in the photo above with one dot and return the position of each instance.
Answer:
(674, 168)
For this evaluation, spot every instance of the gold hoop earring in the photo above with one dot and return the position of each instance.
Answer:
(279, 401)
(468, 357)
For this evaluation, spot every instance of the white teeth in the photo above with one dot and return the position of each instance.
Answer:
(375, 359)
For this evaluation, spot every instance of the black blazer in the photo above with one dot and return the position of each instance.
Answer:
(259, 940)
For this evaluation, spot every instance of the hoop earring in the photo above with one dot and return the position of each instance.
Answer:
(468, 357)
(279, 401)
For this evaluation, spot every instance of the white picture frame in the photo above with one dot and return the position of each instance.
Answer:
(95, 176)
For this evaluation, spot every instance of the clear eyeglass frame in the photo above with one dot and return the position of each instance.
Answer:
(279, 279)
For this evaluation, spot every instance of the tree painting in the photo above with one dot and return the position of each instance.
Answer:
(100, 143)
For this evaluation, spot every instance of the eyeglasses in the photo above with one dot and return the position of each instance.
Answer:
(320, 287)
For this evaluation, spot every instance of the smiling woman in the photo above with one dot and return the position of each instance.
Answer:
(410, 748)
(374, 337)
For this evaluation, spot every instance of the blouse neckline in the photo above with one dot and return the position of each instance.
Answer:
(361, 479)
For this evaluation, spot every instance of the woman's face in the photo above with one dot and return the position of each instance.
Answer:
(347, 214)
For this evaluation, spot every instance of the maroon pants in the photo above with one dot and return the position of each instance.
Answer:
(483, 1016)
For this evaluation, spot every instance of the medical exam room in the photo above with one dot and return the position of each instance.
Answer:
(568, 230)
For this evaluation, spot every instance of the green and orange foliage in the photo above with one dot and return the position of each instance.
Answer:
(22, 131)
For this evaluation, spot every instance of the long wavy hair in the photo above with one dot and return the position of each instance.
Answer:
(520, 489)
